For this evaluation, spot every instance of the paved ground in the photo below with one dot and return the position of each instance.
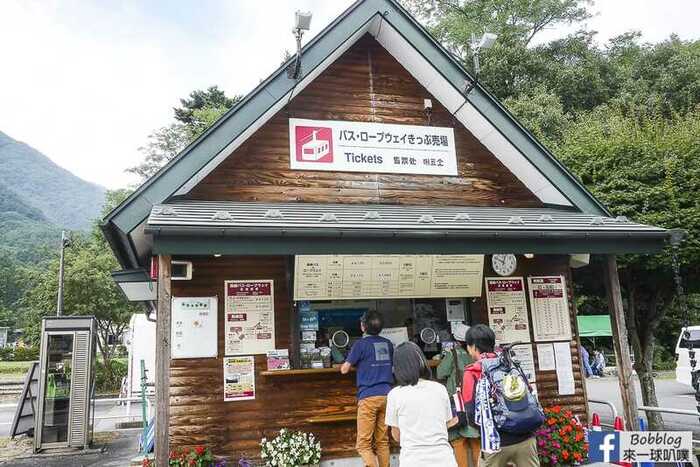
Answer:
(669, 392)
(112, 450)
(110, 409)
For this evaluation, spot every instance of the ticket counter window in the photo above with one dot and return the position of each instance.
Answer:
(423, 321)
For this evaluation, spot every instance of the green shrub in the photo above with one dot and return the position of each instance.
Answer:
(6, 354)
(106, 382)
(26, 354)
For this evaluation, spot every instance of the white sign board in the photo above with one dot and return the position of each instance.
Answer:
(550, 308)
(353, 277)
(507, 309)
(565, 372)
(524, 356)
(250, 317)
(397, 336)
(193, 331)
(341, 146)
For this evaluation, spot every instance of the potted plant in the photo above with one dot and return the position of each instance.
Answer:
(291, 449)
(561, 441)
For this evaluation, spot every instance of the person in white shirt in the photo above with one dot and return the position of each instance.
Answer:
(418, 411)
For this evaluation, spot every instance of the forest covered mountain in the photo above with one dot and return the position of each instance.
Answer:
(38, 199)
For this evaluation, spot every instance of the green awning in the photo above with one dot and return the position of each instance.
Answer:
(594, 326)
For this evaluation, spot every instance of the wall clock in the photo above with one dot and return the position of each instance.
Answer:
(504, 265)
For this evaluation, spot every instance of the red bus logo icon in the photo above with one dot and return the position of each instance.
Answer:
(314, 144)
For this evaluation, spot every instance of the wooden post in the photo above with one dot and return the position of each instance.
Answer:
(620, 343)
(162, 379)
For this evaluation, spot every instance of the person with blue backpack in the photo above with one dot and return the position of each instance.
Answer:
(497, 399)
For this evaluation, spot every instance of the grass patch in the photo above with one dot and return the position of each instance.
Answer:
(14, 368)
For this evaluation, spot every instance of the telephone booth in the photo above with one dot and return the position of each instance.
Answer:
(65, 384)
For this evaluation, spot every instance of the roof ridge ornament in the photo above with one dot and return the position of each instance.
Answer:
(622, 220)
(168, 211)
(546, 218)
(372, 216)
(273, 214)
(222, 216)
(516, 220)
(462, 217)
(426, 219)
(597, 220)
(328, 217)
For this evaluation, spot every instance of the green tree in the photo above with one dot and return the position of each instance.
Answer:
(88, 288)
(648, 169)
(196, 115)
(212, 97)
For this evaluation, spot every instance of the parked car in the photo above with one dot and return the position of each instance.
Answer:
(683, 371)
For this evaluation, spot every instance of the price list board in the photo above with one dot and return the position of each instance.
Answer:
(338, 277)
(550, 308)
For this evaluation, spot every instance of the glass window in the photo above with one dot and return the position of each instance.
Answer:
(58, 383)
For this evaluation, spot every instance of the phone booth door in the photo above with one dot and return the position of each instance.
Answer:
(57, 382)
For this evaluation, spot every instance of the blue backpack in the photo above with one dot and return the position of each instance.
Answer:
(515, 409)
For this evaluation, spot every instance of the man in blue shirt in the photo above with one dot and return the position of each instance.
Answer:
(372, 357)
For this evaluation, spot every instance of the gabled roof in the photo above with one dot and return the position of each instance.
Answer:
(424, 58)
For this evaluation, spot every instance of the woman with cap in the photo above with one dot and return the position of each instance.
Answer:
(464, 439)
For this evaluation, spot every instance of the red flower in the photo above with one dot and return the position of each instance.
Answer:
(577, 456)
(199, 450)
(565, 454)
(551, 421)
(556, 409)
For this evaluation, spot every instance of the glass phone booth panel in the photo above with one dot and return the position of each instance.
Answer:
(66, 379)
(59, 359)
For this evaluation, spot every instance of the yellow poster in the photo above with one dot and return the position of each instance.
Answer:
(338, 277)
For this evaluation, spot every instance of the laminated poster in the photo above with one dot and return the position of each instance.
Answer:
(250, 317)
(524, 356)
(507, 309)
(550, 308)
(565, 372)
(239, 378)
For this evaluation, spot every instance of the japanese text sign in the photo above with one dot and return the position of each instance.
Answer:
(341, 146)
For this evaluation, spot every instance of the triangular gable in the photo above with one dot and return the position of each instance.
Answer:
(422, 56)
(375, 88)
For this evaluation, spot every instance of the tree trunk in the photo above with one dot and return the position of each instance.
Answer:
(644, 314)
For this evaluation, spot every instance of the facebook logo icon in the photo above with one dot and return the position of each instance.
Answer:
(603, 446)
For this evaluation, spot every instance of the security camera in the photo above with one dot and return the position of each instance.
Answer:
(427, 105)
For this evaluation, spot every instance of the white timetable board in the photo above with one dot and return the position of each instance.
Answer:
(193, 327)
(550, 308)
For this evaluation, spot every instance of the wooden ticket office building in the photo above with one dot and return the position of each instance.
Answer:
(377, 148)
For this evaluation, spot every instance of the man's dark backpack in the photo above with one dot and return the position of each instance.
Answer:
(515, 409)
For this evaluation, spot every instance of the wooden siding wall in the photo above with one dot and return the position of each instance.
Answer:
(365, 84)
(199, 415)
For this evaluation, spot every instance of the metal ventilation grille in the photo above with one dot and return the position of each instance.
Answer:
(79, 390)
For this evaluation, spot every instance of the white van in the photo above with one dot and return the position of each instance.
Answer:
(683, 359)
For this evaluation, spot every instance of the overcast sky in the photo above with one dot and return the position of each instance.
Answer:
(85, 82)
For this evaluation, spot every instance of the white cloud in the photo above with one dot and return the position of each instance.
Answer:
(85, 82)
